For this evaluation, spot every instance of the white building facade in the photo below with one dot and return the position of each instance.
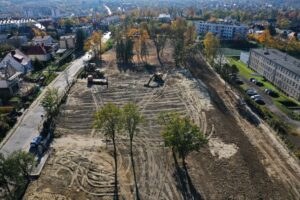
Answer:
(278, 68)
(224, 30)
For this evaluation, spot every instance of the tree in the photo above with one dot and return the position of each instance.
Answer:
(50, 102)
(15, 173)
(124, 50)
(181, 134)
(159, 37)
(132, 118)
(109, 120)
(272, 29)
(211, 46)
(178, 30)
(234, 69)
(5, 177)
(94, 43)
(143, 45)
(24, 161)
(80, 37)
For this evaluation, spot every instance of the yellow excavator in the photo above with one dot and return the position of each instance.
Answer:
(157, 78)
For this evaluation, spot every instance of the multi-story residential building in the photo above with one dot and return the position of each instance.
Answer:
(67, 42)
(278, 68)
(6, 25)
(224, 30)
(164, 18)
(43, 40)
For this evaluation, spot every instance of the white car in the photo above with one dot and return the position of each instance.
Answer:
(256, 97)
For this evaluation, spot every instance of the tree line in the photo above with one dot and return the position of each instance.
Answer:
(179, 133)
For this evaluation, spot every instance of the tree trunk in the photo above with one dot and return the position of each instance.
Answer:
(134, 175)
(116, 197)
(8, 191)
(158, 56)
(100, 56)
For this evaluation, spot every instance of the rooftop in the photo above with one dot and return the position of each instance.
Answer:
(37, 50)
(67, 37)
(41, 38)
(164, 15)
(16, 21)
(288, 62)
(228, 23)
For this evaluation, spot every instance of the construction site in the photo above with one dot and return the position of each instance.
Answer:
(240, 161)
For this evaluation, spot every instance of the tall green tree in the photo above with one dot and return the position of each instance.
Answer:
(80, 37)
(109, 120)
(178, 30)
(181, 134)
(159, 34)
(124, 50)
(132, 118)
(50, 102)
(15, 173)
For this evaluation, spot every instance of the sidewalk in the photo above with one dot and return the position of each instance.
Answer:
(27, 127)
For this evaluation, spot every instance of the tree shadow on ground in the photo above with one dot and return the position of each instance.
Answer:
(184, 182)
(137, 194)
(151, 69)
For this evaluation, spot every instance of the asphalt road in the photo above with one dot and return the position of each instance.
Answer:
(28, 125)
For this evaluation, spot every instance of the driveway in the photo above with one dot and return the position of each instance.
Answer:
(28, 125)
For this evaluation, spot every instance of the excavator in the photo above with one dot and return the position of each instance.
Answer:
(97, 78)
(157, 78)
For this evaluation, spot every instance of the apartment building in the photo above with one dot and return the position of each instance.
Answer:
(224, 30)
(8, 24)
(67, 42)
(279, 68)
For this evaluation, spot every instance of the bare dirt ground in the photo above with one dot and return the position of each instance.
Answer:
(240, 161)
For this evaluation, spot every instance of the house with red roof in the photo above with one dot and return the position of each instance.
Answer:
(39, 52)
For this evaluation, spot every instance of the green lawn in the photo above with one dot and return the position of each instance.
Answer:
(248, 73)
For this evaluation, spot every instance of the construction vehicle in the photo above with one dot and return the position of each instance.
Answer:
(157, 78)
(101, 81)
(90, 67)
(97, 78)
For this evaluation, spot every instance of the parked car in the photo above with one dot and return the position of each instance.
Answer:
(252, 80)
(258, 83)
(239, 82)
(36, 141)
(254, 97)
(259, 101)
(251, 92)
(271, 92)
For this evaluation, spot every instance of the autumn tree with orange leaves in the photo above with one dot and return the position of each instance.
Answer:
(94, 43)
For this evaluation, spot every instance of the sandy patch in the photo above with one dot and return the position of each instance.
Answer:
(220, 149)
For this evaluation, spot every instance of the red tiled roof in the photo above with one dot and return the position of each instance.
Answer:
(36, 50)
